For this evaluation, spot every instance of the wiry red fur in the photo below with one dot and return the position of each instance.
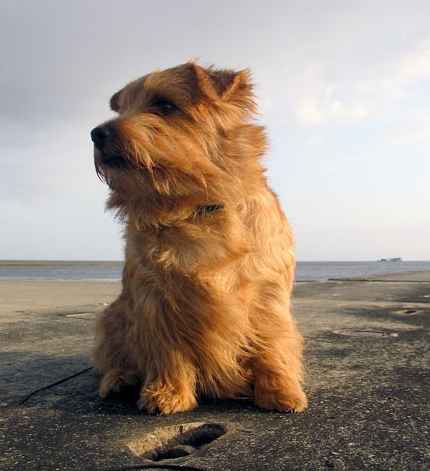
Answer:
(205, 306)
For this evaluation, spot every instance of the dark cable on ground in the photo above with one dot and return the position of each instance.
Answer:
(44, 388)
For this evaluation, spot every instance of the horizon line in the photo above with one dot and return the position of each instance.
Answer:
(40, 260)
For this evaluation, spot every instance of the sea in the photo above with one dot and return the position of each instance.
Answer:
(111, 270)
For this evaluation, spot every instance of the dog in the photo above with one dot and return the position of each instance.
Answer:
(205, 307)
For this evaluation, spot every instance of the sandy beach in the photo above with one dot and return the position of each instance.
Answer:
(17, 296)
(368, 366)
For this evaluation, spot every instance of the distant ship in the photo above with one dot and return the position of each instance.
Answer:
(394, 259)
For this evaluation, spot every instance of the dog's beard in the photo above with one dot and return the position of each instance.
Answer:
(109, 167)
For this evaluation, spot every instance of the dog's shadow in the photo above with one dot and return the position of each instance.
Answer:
(124, 403)
(70, 384)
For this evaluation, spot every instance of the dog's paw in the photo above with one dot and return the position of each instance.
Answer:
(293, 403)
(114, 380)
(165, 400)
(292, 399)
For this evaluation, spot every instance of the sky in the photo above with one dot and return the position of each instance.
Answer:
(343, 88)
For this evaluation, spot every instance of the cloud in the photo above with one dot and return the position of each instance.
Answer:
(415, 65)
(415, 133)
(319, 96)
(325, 107)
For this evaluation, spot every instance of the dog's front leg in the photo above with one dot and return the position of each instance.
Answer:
(277, 366)
(111, 356)
(278, 375)
(163, 356)
(171, 384)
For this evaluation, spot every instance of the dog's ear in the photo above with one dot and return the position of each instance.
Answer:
(114, 101)
(228, 82)
(227, 85)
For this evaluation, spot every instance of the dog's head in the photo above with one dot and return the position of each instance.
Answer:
(182, 135)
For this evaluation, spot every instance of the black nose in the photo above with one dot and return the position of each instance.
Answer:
(100, 135)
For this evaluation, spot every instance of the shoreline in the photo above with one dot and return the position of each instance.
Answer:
(412, 275)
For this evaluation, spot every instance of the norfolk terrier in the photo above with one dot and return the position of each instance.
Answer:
(205, 307)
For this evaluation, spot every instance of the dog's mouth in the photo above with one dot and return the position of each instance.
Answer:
(107, 165)
(109, 160)
(112, 160)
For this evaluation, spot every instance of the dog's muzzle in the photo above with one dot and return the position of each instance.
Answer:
(103, 138)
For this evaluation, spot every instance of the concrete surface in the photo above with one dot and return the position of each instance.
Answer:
(368, 360)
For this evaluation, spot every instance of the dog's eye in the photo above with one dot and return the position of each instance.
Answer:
(164, 106)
